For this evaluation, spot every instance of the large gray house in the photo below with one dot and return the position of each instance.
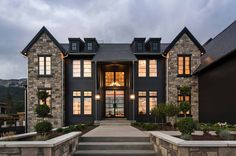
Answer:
(92, 81)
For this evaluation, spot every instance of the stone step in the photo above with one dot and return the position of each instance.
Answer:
(115, 146)
(114, 122)
(115, 152)
(114, 139)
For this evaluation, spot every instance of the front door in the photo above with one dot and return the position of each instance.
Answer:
(114, 103)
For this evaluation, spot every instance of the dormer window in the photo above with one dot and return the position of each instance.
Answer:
(74, 46)
(154, 46)
(90, 46)
(140, 46)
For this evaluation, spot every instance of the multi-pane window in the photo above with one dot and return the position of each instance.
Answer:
(184, 97)
(142, 102)
(87, 102)
(87, 68)
(90, 45)
(44, 65)
(120, 78)
(142, 68)
(140, 46)
(76, 68)
(152, 68)
(109, 78)
(184, 65)
(76, 102)
(73, 46)
(154, 46)
(152, 100)
(49, 99)
(114, 79)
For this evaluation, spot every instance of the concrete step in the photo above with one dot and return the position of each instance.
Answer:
(114, 122)
(115, 146)
(114, 139)
(115, 152)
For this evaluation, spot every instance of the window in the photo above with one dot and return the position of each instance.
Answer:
(109, 78)
(152, 100)
(142, 102)
(115, 79)
(152, 68)
(76, 68)
(74, 46)
(90, 46)
(44, 65)
(140, 46)
(87, 102)
(154, 46)
(184, 63)
(87, 68)
(76, 102)
(120, 78)
(49, 99)
(184, 97)
(142, 68)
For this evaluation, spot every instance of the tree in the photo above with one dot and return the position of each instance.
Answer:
(43, 95)
(159, 112)
(185, 107)
(172, 110)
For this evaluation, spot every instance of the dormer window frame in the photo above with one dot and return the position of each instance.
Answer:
(155, 44)
(74, 46)
(90, 46)
(140, 47)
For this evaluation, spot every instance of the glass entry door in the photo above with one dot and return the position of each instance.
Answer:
(114, 103)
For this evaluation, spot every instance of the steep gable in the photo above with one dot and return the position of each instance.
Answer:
(37, 36)
(189, 34)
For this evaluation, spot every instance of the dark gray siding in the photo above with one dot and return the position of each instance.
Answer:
(217, 92)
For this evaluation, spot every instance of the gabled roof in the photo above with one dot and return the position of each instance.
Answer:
(190, 35)
(37, 36)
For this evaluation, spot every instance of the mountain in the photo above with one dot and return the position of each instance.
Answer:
(12, 93)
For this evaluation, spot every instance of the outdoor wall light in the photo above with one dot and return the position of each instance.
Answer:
(132, 96)
(97, 97)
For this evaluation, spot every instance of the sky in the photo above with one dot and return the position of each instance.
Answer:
(116, 21)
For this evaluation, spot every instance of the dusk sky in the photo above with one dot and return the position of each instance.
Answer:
(107, 20)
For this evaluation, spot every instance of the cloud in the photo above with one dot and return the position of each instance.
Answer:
(108, 21)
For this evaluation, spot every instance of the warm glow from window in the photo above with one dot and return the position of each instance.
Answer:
(120, 78)
(76, 102)
(152, 100)
(182, 98)
(142, 68)
(142, 105)
(49, 99)
(115, 78)
(76, 68)
(87, 68)
(87, 105)
(152, 68)
(184, 64)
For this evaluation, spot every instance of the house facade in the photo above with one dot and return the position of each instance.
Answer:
(91, 81)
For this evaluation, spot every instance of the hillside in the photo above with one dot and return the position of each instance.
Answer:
(12, 93)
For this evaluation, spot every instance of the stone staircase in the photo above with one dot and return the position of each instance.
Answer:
(114, 146)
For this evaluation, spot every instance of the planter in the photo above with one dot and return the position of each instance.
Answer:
(62, 145)
(166, 144)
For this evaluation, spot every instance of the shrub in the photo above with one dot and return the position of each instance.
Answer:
(80, 127)
(43, 127)
(69, 129)
(205, 128)
(186, 137)
(171, 110)
(185, 90)
(43, 95)
(59, 130)
(225, 135)
(185, 107)
(159, 112)
(42, 110)
(186, 125)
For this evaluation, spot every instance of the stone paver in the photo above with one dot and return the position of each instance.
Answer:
(115, 131)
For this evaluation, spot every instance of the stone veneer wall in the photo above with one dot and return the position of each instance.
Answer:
(183, 46)
(45, 46)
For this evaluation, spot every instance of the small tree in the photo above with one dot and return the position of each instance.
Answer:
(172, 110)
(186, 126)
(185, 107)
(42, 111)
(159, 112)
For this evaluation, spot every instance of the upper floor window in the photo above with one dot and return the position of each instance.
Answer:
(142, 68)
(87, 68)
(140, 46)
(44, 65)
(90, 45)
(73, 46)
(184, 65)
(48, 100)
(154, 46)
(76, 68)
(152, 68)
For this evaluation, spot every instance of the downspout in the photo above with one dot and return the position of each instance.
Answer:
(133, 93)
(62, 91)
(95, 89)
(167, 80)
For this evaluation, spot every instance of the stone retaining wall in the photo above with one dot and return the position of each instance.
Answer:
(63, 145)
(167, 145)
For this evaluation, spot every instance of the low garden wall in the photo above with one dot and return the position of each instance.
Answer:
(62, 145)
(167, 145)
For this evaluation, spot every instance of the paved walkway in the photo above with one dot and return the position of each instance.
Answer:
(115, 131)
